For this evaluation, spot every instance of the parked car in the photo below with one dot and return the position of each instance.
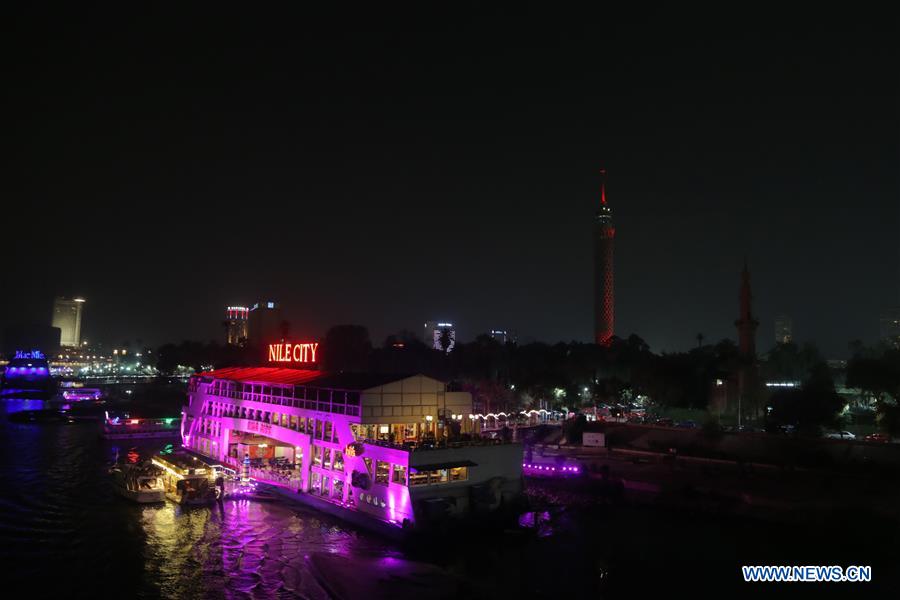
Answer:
(664, 422)
(878, 437)
(839, 435)
(687, 425)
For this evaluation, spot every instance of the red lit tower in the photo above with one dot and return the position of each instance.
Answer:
(604, 274)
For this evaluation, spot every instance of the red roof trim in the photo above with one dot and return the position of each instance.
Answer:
(265, 375)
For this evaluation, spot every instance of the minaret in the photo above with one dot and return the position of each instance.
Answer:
(746, 324)
(748, 376)
(604, 274)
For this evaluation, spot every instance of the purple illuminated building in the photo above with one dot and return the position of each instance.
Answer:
(381, 448)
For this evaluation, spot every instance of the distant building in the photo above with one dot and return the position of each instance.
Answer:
(434, 331)
(236, 325)
(67, 316)
(890, 327)
(784, 329)
(503, 336)
(264, 323)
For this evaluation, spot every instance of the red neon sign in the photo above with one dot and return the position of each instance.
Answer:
(293, 353)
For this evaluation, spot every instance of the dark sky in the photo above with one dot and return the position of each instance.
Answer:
(387, 168)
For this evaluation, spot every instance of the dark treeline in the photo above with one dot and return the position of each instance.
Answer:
(574, 374)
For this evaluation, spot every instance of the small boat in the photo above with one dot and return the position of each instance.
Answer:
(139, 482)
(188, 481)
(125, 427)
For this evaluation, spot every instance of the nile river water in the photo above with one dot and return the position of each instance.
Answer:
(63, 530)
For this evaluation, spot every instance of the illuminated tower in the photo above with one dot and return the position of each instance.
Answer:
(604, 273)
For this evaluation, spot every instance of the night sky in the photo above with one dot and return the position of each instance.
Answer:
(388, 168)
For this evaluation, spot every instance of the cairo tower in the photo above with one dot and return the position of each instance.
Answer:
(604, 273)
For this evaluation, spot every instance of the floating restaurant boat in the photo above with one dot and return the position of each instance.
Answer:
(125, 427)
(139, 482)
(403, 451)
(27, 373)
(187, 480)
(82, 394)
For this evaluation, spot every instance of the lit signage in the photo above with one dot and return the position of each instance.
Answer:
(293, 353)
(32, 354)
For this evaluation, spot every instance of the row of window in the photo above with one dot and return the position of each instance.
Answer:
(328, 458)
(233, 389)
(326, 486)
(439, 476)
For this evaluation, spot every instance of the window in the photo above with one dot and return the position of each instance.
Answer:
(382, 471)
(459, 474)
(317, 455)
(338, 461)
(326, 461)
(438, 476)
(315, 484)
(326, 488)
(318, 430)
(399, 474)
(338, 491)
(418, 478)
(328, 431)
(368, 462)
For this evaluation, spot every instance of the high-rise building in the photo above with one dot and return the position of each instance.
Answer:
(604, 274)
(236, 325)
(434, 335)
(503, 336)
(264, 323)
(890, 327)
(67, 316)
(784, 329)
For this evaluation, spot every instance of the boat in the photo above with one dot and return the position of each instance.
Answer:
(139, 482)
(395, 453)
(187, 480)
(125, 427)
(82, 394)
(27, 374)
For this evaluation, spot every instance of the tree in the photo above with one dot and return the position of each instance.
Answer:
(446, 339)
(346, 348)
(814, 405)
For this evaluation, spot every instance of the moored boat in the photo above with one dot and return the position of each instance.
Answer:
(126, 427)
(187, 480)
(139, 482)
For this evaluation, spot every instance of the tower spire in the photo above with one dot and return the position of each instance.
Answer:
(602, 186)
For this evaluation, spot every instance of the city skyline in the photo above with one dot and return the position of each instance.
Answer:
(459, 177)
